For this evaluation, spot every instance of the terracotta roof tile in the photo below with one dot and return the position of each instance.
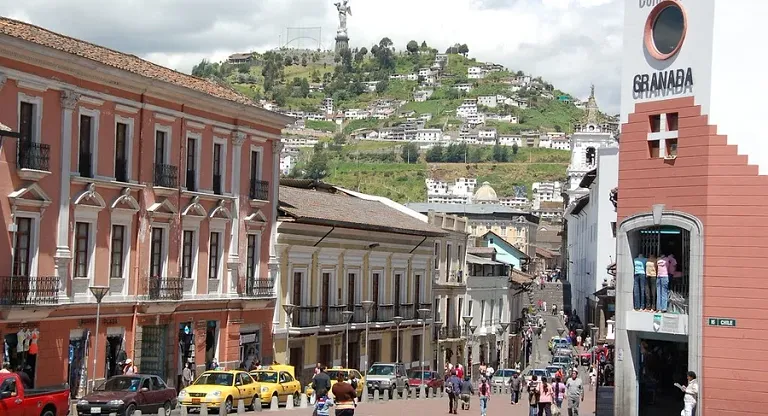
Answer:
(119, 60)
(319, 207)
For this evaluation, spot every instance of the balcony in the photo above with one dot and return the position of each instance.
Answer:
(258, 192)
(359, 315)
(165, 288)
(26, 290)
(427, 306)
(191, 180)
(305, 316)
(121, 170)
(33, 160)
(332, 315)
(405, 310)
(449, 333)
(383, 313)
(218, 189)
(166, 176)
(258, 288)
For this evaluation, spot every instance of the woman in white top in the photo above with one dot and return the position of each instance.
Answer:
(691, 395)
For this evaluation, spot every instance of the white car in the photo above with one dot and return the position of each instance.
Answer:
(538, 372)
(501, 377)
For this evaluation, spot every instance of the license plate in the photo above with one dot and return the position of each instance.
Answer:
(195, 401)
(96, 410)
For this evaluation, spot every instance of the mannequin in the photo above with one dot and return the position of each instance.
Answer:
(20, 337)
(662, 284)
(672, 266)
(650, 272)
(638, 292)
(34, 337)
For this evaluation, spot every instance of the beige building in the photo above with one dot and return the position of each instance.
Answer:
(339, 249)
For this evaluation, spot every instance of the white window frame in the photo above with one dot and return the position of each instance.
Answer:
(357, 298)
(168, 130)
(195, 228)
(382, 285)
(126, 221)
(256, 253)
(198, 137)
(437, 259)
(220, 254)
(403, 296)
(260, 152)
(223, 142)
(37, 102)
(332, 287)
(164, 252)
(94, 115)
(34, 238)
(89, 215)
(129, 121)
(306, 295)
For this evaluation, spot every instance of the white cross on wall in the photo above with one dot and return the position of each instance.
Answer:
(662, 136)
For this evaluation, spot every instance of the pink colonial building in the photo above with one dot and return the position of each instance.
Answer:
(128, 175)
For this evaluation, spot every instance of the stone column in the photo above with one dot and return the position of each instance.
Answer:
(233, 260)
(63, 254)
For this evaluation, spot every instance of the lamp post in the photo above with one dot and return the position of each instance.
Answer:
(467, 320)
(347, 315)
(499, 346)
(504, 342)
(398, 320)
(289, 310)
(470, 341)
(424, 314)
(367, 306)
(98, 292)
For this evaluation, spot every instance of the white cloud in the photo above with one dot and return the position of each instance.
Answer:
(571, 43)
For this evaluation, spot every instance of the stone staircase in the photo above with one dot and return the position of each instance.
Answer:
(558, 293)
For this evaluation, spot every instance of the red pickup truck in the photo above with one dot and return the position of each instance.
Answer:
(15, 400)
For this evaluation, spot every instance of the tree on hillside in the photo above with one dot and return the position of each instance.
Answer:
(520, 74)
(385, 43)
(288, 61)
(360, 55)
(317, 168)
(435, 154)
(453, 49)
(410, 152)
(382, 86)
(500, 153)
(346, 59)
(515, 148)
(315, 75)
(304, 60)
(272, 71)
(464, 49)
(412, 47)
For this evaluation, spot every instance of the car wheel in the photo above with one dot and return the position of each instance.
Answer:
(48, 413)
(167, 408)
(256, 401)
(130, 410)
(296, 399)
(228, 405)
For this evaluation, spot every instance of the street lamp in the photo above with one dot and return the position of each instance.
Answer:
(367, 306)
(289, 310)
(504, 342)
(467, 319)
(347, 317)
(470, 341)
(424, 314)
(397, 320)
(98, 292)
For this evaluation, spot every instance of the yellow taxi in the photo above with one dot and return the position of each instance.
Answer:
(333, 373)
(221, 386)
(278, 381)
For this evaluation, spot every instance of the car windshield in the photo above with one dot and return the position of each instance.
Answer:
(121, 384)
(381, 370)
(215, 379)
(265, 376)
(334, 374)
(504, 373)
(419, 373)
(540, 373)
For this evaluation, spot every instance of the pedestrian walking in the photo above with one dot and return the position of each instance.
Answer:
(546, 397)
(575, 393)
(453, 388)
(467, 391)
(321, 384)
(592, 377)
(323, 406)
(516, 386)
(484, 391)
(533, 396)
(544, 306)
(344, 396)
(559, 388)
(691, 398)
(186, 375)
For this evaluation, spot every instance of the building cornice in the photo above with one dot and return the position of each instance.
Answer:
(82, 68)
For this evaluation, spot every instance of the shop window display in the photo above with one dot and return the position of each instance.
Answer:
(661, 270)
(20, 351)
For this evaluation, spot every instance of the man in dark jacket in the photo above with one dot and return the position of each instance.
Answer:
(453, 388)
(321, 383)
(516, 386)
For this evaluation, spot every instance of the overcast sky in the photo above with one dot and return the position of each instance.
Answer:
(571, 43)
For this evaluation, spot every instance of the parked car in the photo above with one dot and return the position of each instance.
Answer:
(15, 400)
(559, 343)
(432, 380)
(124, 395)
(278, 381)
(538, 372)
(221, 386)
(553, 370)
(563, 361)
(387, 376)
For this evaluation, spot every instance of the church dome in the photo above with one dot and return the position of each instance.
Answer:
(485, 194)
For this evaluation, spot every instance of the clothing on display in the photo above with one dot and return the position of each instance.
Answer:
(650, 272)
(662, 283)
(20, 351)
(640, 282)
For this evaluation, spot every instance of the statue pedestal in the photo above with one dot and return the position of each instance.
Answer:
(342, 42)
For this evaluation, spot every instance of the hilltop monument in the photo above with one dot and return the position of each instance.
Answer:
(342, 39)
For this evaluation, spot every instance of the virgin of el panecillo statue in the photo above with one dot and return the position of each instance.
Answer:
(344, 10)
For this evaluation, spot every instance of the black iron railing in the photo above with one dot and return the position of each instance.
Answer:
(453, 332)
(33, 155)
(426, 306)
(407, 311)
(334, 315)
(259, 190)
(218, 189)
(165, 288)
(385, 313)
(305, 316)
(121, 170)
(29, 290)
(359, 314)
(259, 288)
(85, 164)
(191, 180)
(166, 176)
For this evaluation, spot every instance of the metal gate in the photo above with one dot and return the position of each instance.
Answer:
(153, 350)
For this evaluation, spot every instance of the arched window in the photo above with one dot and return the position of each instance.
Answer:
(590, 156)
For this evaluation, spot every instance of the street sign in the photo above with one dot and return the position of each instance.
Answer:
(722, 322)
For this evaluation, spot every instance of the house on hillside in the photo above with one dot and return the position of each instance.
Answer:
(240, 58)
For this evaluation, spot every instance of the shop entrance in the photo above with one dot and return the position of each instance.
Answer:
(375, 353)
(20, 351)
(325, 355)
(78, 344)
(153, 351)
(354, 355)
(250, 349)
(186, 350)
(116, 356)
(661, 365)
(211, 343)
